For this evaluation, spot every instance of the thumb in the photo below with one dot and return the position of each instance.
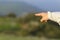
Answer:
(42, 20)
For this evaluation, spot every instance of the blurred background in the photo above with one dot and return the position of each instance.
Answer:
(17, 20)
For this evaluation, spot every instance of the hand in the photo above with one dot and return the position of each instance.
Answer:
(44, 16)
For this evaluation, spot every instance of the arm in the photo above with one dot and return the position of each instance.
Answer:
(54, 16)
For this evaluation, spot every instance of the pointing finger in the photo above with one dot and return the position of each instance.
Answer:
(39, 14)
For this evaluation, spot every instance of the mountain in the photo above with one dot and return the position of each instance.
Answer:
(18, 8)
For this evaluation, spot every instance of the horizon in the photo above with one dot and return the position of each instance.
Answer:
(49, 5)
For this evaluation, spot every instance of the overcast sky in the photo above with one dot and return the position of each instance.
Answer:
(43, 4)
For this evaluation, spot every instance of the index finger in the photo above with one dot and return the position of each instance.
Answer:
(39, 14)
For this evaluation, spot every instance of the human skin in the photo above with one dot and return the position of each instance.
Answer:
(44, 16)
